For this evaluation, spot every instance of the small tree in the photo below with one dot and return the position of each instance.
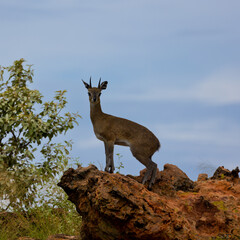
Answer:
(22, 130)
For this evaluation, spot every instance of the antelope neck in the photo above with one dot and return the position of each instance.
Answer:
(95, 111)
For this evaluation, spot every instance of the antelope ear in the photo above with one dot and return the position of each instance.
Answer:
(86, 85)
(103, 85)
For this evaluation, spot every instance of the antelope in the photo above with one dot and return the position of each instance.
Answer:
(119, 131)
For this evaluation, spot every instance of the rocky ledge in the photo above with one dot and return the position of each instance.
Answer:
(118, 207)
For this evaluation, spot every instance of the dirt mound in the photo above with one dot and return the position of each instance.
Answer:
(115, 206)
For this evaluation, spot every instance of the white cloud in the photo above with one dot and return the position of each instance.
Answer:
(213, 132)
(219, 88)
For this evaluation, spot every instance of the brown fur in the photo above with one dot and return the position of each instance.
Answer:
(119, 131)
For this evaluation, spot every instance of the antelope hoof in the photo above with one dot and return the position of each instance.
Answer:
(150, 186)
(112, 169)
(109, 169)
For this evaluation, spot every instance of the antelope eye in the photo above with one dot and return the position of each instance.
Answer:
(89, 94)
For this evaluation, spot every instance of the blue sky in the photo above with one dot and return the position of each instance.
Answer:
(172, 66)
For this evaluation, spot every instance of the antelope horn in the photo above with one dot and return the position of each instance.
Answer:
(90, 83)
(99, 83)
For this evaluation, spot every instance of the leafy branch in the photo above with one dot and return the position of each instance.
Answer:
(22, 131)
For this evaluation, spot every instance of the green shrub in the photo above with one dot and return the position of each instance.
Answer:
(31, 204)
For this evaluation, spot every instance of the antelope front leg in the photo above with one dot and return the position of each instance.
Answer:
(109, 156)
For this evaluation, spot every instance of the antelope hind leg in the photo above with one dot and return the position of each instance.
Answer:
(151, 171)
(153, 176)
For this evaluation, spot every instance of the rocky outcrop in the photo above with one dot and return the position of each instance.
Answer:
(223, 173)
(117, 207)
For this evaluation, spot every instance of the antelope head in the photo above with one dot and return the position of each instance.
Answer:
(94, 93)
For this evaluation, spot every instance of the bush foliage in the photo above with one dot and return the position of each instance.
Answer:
(29, 159)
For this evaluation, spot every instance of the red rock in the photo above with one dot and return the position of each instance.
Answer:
(117, 207)
(223, 173)
(202, 177)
